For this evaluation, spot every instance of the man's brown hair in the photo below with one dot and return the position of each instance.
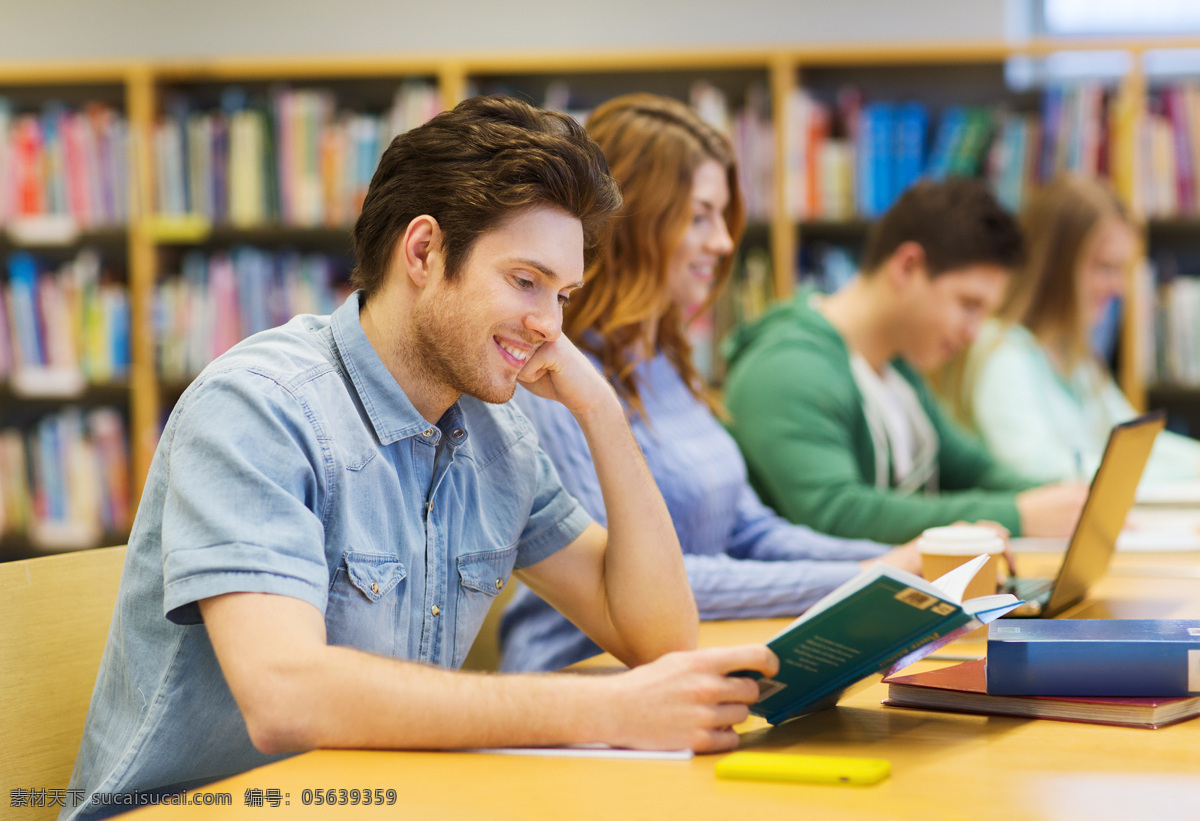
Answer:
(472, 168)
(958, 223)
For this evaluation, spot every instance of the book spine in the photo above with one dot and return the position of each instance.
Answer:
(1094, 668)
(22, 278)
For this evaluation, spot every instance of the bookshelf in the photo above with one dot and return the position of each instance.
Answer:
(65, 390)
(173, 226)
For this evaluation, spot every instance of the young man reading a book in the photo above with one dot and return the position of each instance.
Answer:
(839, 430)
(335, 503)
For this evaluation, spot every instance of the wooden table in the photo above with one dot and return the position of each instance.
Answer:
(944, 766)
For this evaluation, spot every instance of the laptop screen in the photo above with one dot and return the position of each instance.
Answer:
(1108, 503)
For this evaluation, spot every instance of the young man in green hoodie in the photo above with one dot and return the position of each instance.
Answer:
(839, 430)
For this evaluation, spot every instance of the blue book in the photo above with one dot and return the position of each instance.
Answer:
(1094, 657)
(912, 127)
(22, 283)
(883, 158)
(1052, 104)
(882, 619)
(874, 158)
(864, 165)
(950, 132)
(118, 326)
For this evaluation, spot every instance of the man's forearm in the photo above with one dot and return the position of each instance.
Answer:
(295, 692)
(403, 705)
(648, 598)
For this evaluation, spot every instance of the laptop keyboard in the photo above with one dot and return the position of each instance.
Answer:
(1030, 589)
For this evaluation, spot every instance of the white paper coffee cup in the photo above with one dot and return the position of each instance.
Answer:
(945, 548)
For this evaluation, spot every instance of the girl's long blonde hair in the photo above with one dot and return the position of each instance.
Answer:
(654, 146)
(1059, 222)
(1043, 294)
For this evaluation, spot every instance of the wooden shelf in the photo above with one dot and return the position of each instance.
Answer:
(16, 546)
(1174, 393)
(106, 393)
(321, 238)
(854, 230)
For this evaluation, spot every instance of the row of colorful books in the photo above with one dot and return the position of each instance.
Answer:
(753, 137)
(291, 158)
(216, 300)
(1167, 166)
(65, 326)
(848, 158)
(747, 125)
(65, 481)
(64, 162)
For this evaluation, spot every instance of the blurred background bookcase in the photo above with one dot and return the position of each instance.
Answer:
(240, 179)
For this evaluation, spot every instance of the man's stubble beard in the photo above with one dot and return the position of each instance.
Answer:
(443, 351)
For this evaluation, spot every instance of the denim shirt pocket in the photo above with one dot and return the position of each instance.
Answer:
(365, 600)
(481, 578)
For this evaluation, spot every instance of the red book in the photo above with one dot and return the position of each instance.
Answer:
(962, 688)
(28, 160)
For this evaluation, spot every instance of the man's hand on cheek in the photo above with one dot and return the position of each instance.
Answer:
(557, 370)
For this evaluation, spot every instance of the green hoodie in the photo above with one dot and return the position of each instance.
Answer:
(798, 416)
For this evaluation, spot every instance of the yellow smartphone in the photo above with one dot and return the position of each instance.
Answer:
(812, 769)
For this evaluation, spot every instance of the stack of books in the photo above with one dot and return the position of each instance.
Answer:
(1135, 673)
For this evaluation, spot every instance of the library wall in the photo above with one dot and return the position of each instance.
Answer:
(155, 209)
(34, 29)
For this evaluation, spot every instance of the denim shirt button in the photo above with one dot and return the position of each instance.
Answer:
(499, 584)
(427, 432)
(435, 610)
(375, 588)
(458, 433)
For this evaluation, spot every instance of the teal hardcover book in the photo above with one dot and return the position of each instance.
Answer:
(882, 619)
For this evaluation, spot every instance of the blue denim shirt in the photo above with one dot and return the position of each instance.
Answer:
(296, 465)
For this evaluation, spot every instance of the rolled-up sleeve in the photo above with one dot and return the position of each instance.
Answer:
(246, 471)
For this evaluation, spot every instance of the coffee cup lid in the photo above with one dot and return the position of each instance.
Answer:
(960, 539)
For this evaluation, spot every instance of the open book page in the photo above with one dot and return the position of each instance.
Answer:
(953, 584)
(949, 587)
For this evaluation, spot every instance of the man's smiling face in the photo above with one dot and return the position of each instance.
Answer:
(475, 333)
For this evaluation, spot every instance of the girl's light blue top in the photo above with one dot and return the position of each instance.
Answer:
(1051, 426)
(743, 561)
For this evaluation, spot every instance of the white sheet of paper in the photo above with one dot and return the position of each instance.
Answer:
(588, 751)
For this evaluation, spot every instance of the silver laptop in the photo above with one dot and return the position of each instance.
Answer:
(1091, 547)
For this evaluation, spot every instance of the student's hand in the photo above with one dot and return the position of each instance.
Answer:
(687, 700)
(559, 371)
(905, 557)
(1051, 510)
